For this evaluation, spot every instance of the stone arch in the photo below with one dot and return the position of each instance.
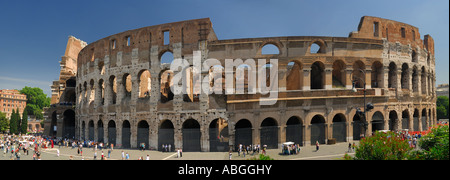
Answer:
(393, 120)
(415, 79)
(100, 132)
(317, 75)
(127, 85)
(294, 75)
(166, 57)
(405, 76)
(166, 135)
(416, 120)
(270, 48)
(318, 129)
(144, 81)
(243, 132)
(294, 130)
(69, 124)
(91, 130)
(126, 134)
(191, 135)
(218, 135)
(112, 132)
(339, 127)
(339, 74)
(269, 133)
(392, 75)
(113, 89)
(358, 76)
(317, 46)
(166, 82)
(377, 74)
(377, 121)
(143, 134)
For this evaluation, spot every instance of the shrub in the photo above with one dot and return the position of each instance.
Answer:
(434, 145)
(382, 146)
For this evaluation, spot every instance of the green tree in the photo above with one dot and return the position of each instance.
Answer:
(442, 107)
(24, 123)
(4, 124)
(36, 101)
(434, 145)
(13, 123)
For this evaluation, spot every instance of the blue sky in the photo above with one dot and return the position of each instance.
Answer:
(33, 34)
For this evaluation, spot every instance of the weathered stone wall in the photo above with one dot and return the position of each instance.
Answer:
(114, 75)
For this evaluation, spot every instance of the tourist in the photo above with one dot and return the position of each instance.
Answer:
(317, 146)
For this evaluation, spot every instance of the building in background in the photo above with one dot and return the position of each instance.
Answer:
(12, 99)
(442, 90)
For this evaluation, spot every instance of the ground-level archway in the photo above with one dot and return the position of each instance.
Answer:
(166, 136)
(243, 133)
(377, 121)
(318, 129)
(142, 134)
(112, 132)
(294, 130)
(126, 134)
(339, 128)
(191, 136)
(269, 133)
(69, 124)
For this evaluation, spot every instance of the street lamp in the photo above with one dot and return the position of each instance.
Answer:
(368, 106)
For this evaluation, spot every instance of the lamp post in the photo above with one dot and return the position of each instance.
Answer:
(367, 107)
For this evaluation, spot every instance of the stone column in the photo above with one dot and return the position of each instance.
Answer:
(306, 78)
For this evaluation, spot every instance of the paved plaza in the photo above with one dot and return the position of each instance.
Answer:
(326, 152)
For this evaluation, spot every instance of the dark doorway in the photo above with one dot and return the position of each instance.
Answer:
(126, 134)
(294, 130)
(112, 132)
(339, 128)
(218, 136)
(269, 133)
(243, 133)
(142, 134)
(69, 124)
(318, 129)
(191, 136)
(165, 135)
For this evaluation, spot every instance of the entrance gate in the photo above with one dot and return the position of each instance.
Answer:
(126, 135)
(191, 136)
(165, 136)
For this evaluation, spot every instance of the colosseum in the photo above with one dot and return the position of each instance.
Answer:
(123, 87)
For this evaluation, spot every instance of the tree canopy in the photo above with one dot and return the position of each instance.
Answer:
(36, 101)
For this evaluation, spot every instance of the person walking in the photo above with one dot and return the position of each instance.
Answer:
(317, 146)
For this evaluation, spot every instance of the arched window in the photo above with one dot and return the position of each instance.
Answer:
(377, 74)
(127, 84)
(166, 58)
(317, 47)
(392, 78)
(270, 49)
(294, 76)
(317, 75)
(405, 76)
(338, 74)
(144, 84)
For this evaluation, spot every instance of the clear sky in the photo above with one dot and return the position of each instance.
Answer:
(33, 34)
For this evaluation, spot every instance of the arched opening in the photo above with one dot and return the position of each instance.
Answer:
(414, 57)
(101, 89)
(166, 58)
(143, 134)
(112, 132)
(416, 120)
(144, 84)
(165, 78)
(358, 76)
(318, 129)
(415, 79)
(191, 136)
(270, 49)
(338, 74)
(392, 75)
(91, 130)
(405, 119)
(317, 75)
(53, 125)
(294, 130)
(69, 124)
(71, 83)
(166, 136)
(393, 120)
(193, 86)
(243, 133)
(100, 132)
(218, 135)
(357, 127)
(126, 134)
(424, 120)
(294, 77)
(377, 121)
(113, 89)
(423, 79)
(83, 130)
(127, 85)
(339, 128)
(377, 74)
(269, 133)
(405, 76)
(244, 75)
(317, 47)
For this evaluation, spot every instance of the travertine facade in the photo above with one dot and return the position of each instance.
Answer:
(123, 95)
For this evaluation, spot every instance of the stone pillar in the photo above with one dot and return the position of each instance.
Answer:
(348, 78)
(328, 78)
(306, 78)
